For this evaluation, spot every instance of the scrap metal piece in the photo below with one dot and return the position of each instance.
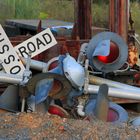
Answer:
(40, 107)
(10, 78)
(107, 67)
(116, 113)
(26, 76)
(42, 90)
(121, 113)
(81, 104)
(65, 89)
(116, 92)
(103, 48)
(135, 121)
(82, 54)
(31, 103)
(74, 72)
(54, 59)
(98, 81)
(23, 94)
(37, 65)
(86, 79)
(9, 100)
(43, 106)
(102, 103)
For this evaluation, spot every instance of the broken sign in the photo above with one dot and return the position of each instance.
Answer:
(8, 56)
(37, 44)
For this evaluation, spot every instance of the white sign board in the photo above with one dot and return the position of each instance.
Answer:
(8, 56)
(36, 44)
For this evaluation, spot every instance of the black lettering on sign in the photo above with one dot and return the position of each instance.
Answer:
(10, 58)
(31, 47)
(39, 42)
(1, 39)
(49, 40)
(22, 51)
(16, 69)
(4, 48)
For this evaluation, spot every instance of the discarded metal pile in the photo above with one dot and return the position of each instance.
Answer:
(74, 88)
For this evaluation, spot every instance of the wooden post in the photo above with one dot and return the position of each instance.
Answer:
(83, 19)
(119, 14)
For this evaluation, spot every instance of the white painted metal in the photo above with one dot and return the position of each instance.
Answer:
(34, 64)
(116, 92)
(8, 56)
(36, 44)
(10, 78)
(99, 81)
(38, 65)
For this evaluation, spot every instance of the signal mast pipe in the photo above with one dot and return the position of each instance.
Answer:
(99, 81)
(116, 92)
(10, 78)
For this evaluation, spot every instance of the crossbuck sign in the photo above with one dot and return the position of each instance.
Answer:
(37, 44)
(8, 54)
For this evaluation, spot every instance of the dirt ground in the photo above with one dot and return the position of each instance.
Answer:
(39, 126)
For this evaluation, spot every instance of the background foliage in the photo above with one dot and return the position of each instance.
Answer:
(61, 10)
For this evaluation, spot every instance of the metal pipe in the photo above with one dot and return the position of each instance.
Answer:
(102, 103)
(80, 107)
(10, 78)
(115, 92)
(37, 65)
(80, 110)
(23, 105)
(46, 68)
(135, 121)
(82, 54)
(99, 81)
(15, 79)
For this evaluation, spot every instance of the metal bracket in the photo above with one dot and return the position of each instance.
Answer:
(23, 93)
(82, 54)
(86, 77)
(27, 73)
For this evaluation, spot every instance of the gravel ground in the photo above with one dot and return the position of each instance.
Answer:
(39, 126)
